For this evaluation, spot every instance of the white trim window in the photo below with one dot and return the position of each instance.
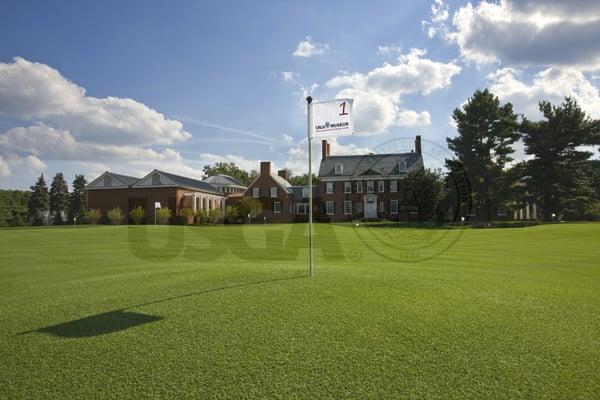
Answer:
(302, 208)
(380, 186)
(393, 186)
(359, 207)
(347, 207)
(339, 169)
(329, 187)
(255, 192)
(370, 186)
(393, 206)
(381, 207)
(359, 187)
(305, 192)
(402, 166)
(347, 187)
(274, 191)
(329, 208)
(277, 207)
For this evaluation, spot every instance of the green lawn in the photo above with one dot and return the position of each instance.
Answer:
(228, 312)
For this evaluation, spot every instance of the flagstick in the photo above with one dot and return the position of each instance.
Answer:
(310, 187)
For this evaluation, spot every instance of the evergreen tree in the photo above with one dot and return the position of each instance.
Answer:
(38, 201)
(59, 198)
(423, 189)
(482, 148)
(558, 180)
(78, 199)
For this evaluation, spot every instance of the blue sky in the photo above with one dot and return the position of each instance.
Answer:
(91, 86)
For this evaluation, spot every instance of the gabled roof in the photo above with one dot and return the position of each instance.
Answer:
(223, 180)
(282, 182)
(297, 192)
(178, 181)
(123, 181)
(370, 164)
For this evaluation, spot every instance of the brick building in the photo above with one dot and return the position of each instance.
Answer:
(364, 186)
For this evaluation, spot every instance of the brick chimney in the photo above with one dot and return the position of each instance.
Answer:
(265, 168)
(418, 144)
(283, 173)
(324, 149)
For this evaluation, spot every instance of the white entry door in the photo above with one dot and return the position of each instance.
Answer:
(371, 207)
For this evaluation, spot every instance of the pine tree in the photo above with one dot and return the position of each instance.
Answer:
(557, 172)
(59, 198)
(78, 199)
(38, 201)
(482, 148)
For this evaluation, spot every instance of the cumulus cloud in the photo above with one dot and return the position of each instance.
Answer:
(439, 13)
(377, 93)
(551, 84)
(307, 48)
(14, 162)
(30, 90)
(4, 168)
(529, 33)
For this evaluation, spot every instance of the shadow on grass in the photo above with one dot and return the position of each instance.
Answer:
(120, 320)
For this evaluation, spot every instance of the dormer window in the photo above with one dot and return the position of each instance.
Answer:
(339, 169)
(402, 166)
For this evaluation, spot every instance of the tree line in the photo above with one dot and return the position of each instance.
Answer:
(558, 174)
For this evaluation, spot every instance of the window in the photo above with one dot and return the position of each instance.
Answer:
(305, 192)
(329, 209)
(274, 192)
(255, 192)
(370, 187)
(277, 207)
(359, 207)
(347, 207)
(381, 186)
(501, 211)
(329, 188)
(347, 187)
(339, 169)
(393, 206)
(381, 207)
(302, 208)
(402, 166)
(359, 187)
(393, 186)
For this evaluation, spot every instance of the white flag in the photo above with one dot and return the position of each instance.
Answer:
(332, 118)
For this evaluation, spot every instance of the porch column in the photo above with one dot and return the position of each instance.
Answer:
(194, 205)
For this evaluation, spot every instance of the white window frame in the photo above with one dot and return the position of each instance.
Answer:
(381, 187)
(370, 186)
(402, 166)
(339, 169)
(359, 187)
(393, 186)
(393, 206)
(347, 187)
(329, 187)
(274, 192)
(347, 207)
(305, 192)
(275, 203)
(381, 206)
(255, 192)
(329, 207)
(302, 208)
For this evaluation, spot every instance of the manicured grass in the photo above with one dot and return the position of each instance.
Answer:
(228, 312)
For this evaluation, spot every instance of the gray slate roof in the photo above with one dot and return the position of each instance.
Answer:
(128, 180)
(297, 192)
(370, 164)
(190, 183)
(221, 179)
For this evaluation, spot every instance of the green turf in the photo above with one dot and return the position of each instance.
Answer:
(99, 313)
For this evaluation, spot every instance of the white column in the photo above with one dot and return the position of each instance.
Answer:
(194, 205)
(527, 211)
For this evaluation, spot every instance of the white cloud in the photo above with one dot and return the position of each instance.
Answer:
(288, 139)
(551, 84)
(413, 118)
(29, 164)
(389, 50)
(439, 13)
(529, 33)
(31, 90)
(307, 48)
(377, 93)
(4, 168)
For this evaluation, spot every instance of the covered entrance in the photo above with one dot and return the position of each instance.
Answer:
(370, 206)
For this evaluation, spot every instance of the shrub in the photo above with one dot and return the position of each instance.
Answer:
(115, 216)
(92, 216)
(201, 216)
(17, 219)
(137, 215)
(252, 206)
(232, 213)
(163, 215)
(188, 215)
(214, 215)
(58, 219)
